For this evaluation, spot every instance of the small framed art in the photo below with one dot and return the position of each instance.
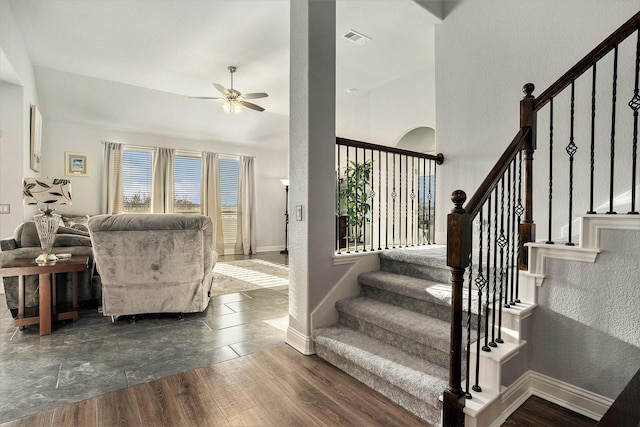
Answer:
(76, 164)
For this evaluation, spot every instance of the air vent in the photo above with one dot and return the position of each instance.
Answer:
(356, 37)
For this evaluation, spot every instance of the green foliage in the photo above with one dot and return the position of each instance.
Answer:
(354, 196)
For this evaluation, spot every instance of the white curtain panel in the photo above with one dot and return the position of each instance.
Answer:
(162, 187)
(111, 202)
(211, 202)
(246, 236)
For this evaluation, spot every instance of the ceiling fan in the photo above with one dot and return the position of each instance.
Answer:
(234, 100)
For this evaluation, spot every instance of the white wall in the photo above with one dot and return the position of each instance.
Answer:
(59, 137)
(485, 52)
(585, 329)
(15, 106)
(388, 111)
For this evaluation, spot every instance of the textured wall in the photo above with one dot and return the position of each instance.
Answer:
(586, 329)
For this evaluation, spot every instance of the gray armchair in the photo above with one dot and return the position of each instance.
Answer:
(153, 263)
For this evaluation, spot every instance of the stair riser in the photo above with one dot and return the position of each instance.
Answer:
(437, 274)
(437, 352)
(430, 414)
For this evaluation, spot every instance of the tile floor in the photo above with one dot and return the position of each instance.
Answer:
(94, 356)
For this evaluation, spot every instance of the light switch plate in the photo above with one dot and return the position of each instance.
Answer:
(5, 208)
(299, 213)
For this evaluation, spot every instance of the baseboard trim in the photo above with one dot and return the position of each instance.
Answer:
(568, 396)
(531, 383)
(299, 341)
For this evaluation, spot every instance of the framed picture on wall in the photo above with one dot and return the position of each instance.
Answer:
(76, 164)
(36, 138)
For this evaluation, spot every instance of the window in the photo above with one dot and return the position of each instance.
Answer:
(136, 180)
(187, 183)
(229, 168)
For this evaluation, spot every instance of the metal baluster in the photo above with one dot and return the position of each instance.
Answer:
(338, 155)
(421, 204)
(413, 196)
(486, 347)
(432, 228)
(348, 231)
(393, 196)
(379, 200)
(372, 196)
(406, 201)
(549, 240)
(365, 201)
(502, 242)
(635, 105)
(356, 234)
(386, 205)
(593, 138)
(495, 271)
(519, 211)
(509, 241)
(512, 207)
(480, 284)
(571, 150)
(400, 204)
(613, 128)
(468, 368)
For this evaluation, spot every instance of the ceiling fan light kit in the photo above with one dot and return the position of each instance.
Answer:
(234, 100)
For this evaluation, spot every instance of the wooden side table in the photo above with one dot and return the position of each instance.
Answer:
(47, 294)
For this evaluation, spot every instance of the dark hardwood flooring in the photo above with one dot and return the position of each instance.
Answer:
(537, 412)
(276, 387)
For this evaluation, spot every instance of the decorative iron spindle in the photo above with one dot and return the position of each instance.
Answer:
(486, 347)
(512, 208)
(480, 284)
(413, 196)
(348, 230)
(593, 139)
(502, 242)
(380, 201)
(634, 104)
(468, 347)
(549, 240)
(386, 205)
(431, 197)
(519, 210)
(393, 210)
(613, 128)
(509, 241)
(571, 151)
(429, 219)
(338, 242)
(495, 271)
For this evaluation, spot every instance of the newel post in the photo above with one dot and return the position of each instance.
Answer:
(527, 120)
(458, 251)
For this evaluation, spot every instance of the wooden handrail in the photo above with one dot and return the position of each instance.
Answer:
(476, 202)
(587, 62)
(438, 158)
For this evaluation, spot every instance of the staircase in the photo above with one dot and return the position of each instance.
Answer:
(394, 337)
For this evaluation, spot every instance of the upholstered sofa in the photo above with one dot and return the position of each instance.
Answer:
(153, 263)
(25, 244)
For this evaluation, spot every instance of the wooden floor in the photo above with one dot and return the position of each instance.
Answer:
(537, 412)
(276, 387)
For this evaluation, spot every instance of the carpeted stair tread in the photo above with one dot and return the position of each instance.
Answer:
(417, 327)
(428, 256)
(413, 287)
(425, 290)
(414, 375)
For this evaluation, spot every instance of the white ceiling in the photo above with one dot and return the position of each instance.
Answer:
(132, 64)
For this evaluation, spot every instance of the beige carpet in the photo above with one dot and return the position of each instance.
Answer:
(247, 275)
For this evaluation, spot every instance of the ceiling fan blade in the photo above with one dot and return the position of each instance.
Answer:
(206, 97)
(223, 90)
(255, 95)
(252, 106)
